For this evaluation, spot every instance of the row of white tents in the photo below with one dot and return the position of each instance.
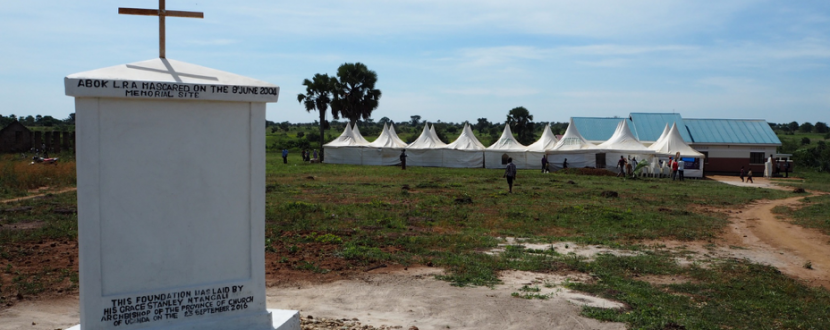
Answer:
(466, 151)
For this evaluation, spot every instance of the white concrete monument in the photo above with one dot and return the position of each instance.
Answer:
(171, 198)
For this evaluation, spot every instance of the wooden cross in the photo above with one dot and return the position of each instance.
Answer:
(161, 13)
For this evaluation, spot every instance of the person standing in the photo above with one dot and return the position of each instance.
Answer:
(315, 155)
(787, 168)
(510, 174)
(285, 156)
(544, 163)
(403, 159)
(743, 172)
(749, 176)
(565, 163)
(621, 166)
(674, 167)
(681, 165)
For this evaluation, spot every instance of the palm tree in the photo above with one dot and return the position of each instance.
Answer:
(521, 123)
(355, 96)
(317, 96)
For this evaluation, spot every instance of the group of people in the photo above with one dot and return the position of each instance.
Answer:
(626, 166)
(546, 164)
(308, 156)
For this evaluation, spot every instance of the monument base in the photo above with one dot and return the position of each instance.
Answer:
(283, 319)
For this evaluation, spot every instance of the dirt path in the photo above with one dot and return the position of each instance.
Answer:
(60, 191)
(776, 241)
(757, 228)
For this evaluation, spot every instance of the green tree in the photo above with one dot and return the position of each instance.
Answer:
(355, 95)
(318, 96)
(415, 120)
(482, 124)
(806, 127)
(793, 126)
(521, 123)
(821, 127)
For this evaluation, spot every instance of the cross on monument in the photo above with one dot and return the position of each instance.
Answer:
(161, 13)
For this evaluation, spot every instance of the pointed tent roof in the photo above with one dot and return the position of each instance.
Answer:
(386, 140)
(663, 135)
(507, 141)
(357, 136)
(623, 139)
(435, 135)
(466, 141)
(395, 134)
(673, 143)
(545, 142)
(346, 139)
(426, 140)
(572, 140)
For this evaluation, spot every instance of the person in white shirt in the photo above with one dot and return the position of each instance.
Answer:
(680, 166)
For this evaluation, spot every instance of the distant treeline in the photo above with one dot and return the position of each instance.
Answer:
(806, 127)
(38, 121)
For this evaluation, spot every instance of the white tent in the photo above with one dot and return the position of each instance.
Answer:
(465, 151)
(663, 135)
(495, 156)
(536, 150)
(358, 137)
(345, 149)
(385, 150)
(573, 147)
(426, 150)
(623, 143)
(672, 144)
(395, 135)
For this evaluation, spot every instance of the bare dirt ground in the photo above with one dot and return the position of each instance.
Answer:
(413, 297)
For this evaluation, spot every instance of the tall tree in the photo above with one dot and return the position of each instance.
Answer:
(355, 96)
(318, 96)
(482, 124)
(415, 120)
(806, 127)
(821, 127)
(521, 123)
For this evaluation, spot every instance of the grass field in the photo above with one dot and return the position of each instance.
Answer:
(324, 219)
(447, 217)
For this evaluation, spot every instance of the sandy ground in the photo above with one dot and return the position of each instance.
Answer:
(413, 297)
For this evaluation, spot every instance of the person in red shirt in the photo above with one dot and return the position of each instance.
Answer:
(673, 169)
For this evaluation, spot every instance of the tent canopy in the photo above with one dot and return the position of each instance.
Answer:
(346, 139)
(357, 136)
(572, 140)
(426, 140)
(624, 140)
(673, 143)
(546, 142)
(386, 140)
(507, 142)
(466, 141)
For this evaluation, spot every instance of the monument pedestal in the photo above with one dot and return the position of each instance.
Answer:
(171, 197)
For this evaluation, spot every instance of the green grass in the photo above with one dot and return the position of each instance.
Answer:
(362, 217)
(808, 179)
(728, 295)
(815, 213)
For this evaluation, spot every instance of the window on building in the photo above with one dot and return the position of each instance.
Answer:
(756, 157)
(705, 157)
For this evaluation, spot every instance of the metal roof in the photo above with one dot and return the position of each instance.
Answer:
(753, 131)
(598, 129)
(649, 126)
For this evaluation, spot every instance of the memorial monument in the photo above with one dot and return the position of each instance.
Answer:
(171, 195)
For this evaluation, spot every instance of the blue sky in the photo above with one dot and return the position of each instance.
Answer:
(454, 60)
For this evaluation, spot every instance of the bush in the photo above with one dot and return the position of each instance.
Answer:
(300, 134)
(805, 141)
